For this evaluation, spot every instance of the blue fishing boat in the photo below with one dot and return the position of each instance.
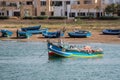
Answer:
(6, 33)
(34, 29)
(40, 31)
(23, 34)
(31, 28)
(79, 34)
(56, 34)
(111, 31)
(56, 50)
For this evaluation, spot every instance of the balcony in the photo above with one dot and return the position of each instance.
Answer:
(13, 5)
(83, 4)
(7, 8)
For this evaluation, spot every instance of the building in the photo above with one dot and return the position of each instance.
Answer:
(111, 1)
(69, 8)
(17, 8)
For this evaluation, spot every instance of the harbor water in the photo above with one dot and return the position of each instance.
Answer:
(30, 61)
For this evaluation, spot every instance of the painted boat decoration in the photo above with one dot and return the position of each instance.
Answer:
(34, 29)
(56, 34)
(79, 34)
(111, 31)
(23, 34)
(55, 50)
(6, 33)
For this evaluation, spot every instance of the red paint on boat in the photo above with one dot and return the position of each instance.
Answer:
(51, 53)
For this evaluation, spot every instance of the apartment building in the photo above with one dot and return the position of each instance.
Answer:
(111, 1)
(17, 8)
(69, 8)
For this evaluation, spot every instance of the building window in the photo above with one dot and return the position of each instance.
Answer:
(87, 1)
(21, 3)
(7, 13)
(103, 1)
(90, 14)
(43, 3)
(65, 13)
(67, 2)
(78, 2)
(78, 14)
(3, 3)
(1, 13)
(56, 3)
(52, 13)
(29, 2)
(81, 14)
(27, 12)
(16, 13)
(72, 14)
(12, 4)
(42, 13)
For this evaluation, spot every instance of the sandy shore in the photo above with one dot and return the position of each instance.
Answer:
(97, 36)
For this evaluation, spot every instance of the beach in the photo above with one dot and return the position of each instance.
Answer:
(95, 27)
(97, 36)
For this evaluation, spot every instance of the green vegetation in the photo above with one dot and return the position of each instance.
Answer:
(84, 17)
(109, 18)
(40, 17)
(58, 17)
(28, 17)
(4, 17)
(45, 17)
(113, 8)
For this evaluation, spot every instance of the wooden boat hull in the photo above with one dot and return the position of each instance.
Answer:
(111, 31)
(53, 34)
(6, 33)
(34, 29)
(23, 34)
(81, 34)
(31, 28)
(54, 50)
(40, 31)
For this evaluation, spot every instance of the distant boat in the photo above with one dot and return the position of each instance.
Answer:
(79, 34)
(56, 50)
(34, 29)
(56, 34)
(111, 31)
(23, 34)
(6, 33)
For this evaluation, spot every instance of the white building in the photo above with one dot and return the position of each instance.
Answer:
(69, 8)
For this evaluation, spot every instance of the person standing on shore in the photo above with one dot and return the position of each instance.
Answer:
(60, 42)
(17, 33)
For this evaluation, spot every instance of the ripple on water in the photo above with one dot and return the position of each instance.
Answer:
(29, 61)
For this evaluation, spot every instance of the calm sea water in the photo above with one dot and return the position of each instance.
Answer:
(29, 61)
